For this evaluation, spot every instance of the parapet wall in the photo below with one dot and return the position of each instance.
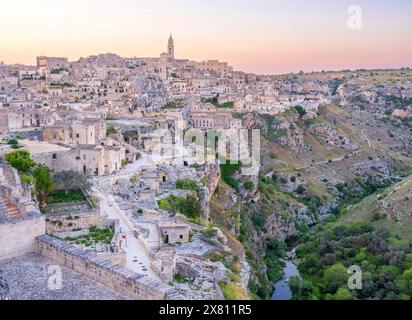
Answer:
(103, 271)
(18, 237)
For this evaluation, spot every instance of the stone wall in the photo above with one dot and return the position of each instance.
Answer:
(18, 237)
(101, 270)
(60, 161)
(70, 222)
(213, 178)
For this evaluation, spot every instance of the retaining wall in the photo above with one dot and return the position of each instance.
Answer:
(101, 270)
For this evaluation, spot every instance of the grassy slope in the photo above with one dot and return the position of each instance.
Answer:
(395, 202)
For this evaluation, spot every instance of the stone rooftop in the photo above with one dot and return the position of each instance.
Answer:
(36, 147)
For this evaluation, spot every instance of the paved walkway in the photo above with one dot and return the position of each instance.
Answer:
(131, 169)
(137, 258)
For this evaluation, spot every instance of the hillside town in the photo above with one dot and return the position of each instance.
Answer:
(115, 168)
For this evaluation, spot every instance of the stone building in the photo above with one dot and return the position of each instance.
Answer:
(174, 232)
(94, 160)
(214, 66)
(210, 117)
(86, 132)
(51, 63)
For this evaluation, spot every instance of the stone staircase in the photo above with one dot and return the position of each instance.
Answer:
(9, 210)
(175, 295)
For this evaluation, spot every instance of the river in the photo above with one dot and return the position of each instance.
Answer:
(282, 290)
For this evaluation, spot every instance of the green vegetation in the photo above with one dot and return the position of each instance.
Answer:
(300, 110)
(61, 196)
(14, 144)
(229, 260)
(57, 70)
(232, 291)
(178, 104)
(275, 252)
(401, 103)
(270, 264)
(269, 128)
(187, 184)
(210, 232)
(111, 130)
(188, 206)
(22, 161)
(215, 102)
(259, 221)
(249, 185)
(180, 279)
(394, 216)
(228, 171)
(354, 191)
(60, 85)
(326, 255)
(94, 236)
(32, 173)
(196, 166)
(26, 180)
(43, 182)
(125, 162)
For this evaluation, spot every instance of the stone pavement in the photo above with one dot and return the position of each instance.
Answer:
(27, 277)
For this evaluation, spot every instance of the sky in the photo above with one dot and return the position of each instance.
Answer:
(261, 36)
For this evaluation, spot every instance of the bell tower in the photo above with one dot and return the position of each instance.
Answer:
(171, 47)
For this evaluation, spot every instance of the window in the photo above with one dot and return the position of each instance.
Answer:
(54, 155)
(181, 237)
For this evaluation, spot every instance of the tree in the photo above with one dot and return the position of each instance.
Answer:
(343, 294)
(21, 160)
(334, 277)
(300, 110)
(301, 288)
(43, 182)
(191, 207)
(70, 180)
(407, 277)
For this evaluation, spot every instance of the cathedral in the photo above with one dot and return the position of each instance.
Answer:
(170, 49)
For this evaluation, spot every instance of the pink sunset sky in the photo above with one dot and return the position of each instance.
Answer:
(262, 36)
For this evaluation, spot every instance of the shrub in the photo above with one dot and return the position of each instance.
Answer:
(111, 130)
(259, 221)
(249, 185)
(187, 184)
(228, 170)
(232, 291)
(300, 110)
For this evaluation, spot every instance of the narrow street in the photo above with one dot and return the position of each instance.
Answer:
(137, 258)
